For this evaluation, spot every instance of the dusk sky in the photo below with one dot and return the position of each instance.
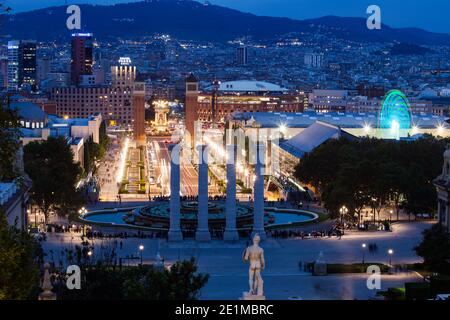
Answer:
(430, 15)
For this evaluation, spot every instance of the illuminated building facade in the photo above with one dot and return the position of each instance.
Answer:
(21, 64)
(114, 103)
(217, 102)
(82, 56)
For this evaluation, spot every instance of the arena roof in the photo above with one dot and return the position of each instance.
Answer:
(343, 120)
(310, 138)
(249, 86)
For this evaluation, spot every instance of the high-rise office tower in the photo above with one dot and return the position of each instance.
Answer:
(13, 65)
(21, 64)
(44, 68)
(27, 63)
(82, 56)
(242, 56)
(3, 71)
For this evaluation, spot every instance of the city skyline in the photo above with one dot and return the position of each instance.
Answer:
(176, 150)
(394, 13)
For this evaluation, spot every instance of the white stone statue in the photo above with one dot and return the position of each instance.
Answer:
(255, 254)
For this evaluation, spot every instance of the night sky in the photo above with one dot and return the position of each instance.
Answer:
(431, 15)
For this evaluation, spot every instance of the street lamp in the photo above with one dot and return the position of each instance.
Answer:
(390, 252)
(390, 214)
(363, 246)
(141, 249)
(343, 210)
(82, 212)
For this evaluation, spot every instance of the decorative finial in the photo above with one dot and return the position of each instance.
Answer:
(47, 286)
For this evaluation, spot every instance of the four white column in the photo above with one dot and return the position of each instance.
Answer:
(175, 234)
(202, 233)
(258, 193)
(231, 233)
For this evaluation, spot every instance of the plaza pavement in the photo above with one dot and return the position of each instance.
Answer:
(283, 277)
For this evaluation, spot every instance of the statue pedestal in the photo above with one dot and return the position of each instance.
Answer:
(248, 296)
(320, 269)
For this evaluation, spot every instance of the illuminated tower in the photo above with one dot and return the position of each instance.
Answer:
(139, 112)
(21, 64)
(13, 65)
(191, 107)
(124, 74)
(82, 56)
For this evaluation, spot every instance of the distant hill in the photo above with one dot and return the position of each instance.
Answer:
(186, 19)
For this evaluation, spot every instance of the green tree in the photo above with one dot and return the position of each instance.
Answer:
(19, 257)
(104, 281)
(320, 167)
(375, 173)
(180, 282)
(54, 173)
(435, 249)
(9, 142)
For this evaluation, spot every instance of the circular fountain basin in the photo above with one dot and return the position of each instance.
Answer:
(156, 217)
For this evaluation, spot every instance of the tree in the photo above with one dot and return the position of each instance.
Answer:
(54, 174)
(375, 173)
(435, 249)
(19, 257)
(320, 167)
(9, 142)
(104, 281)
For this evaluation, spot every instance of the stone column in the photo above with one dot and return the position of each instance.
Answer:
(202, 233)
(231, 233)
(258, 193)
(174, 229)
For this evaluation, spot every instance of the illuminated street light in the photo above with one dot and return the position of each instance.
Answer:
(141, 249)
(343, 211)
(390, 252)
(363, 246)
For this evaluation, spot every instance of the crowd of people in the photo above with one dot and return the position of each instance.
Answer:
(284, 234)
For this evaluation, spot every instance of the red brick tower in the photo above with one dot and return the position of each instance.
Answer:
(139, 112)
(191, 106)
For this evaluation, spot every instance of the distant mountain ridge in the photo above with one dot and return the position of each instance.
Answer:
(191, 20)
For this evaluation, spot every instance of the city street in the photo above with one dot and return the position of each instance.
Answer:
(189, 176)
